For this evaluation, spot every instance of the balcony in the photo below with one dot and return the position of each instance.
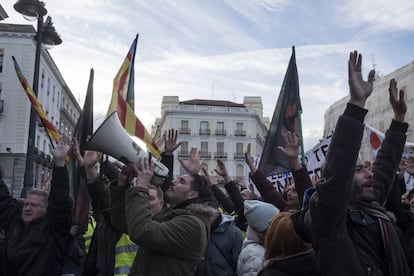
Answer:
(183, 153)
(220, 132)
(205, 154)
(184, 130)
(239, 155)
(239, 132)
(204, 131)
(218, 155)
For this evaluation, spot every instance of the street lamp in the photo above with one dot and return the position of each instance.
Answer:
(45, 33)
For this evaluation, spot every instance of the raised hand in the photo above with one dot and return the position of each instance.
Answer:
(207, 177)
(59, 153)
(249, 160)
(76, 152)
(291, 149)
(145, 171)
(171, 141)
(193, 164)
(360, 90)
(397, 101)
(222, 171)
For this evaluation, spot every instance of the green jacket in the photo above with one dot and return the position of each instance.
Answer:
(172, 242)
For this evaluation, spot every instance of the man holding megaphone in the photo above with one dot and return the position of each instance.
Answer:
(173, 241)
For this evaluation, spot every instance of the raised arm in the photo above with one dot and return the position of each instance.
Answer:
(263, 185)
(334, 189)
(167, 156)
(388, 158)
(299, 172)
(60, 204)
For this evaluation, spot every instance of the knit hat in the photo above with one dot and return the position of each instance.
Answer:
(259, 214)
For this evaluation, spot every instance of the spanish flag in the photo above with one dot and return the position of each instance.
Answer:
(51, 131)
(122, 101)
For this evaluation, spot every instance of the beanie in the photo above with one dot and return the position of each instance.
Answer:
(259, 214)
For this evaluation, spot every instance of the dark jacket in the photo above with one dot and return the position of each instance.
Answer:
(303, 264)
(172, 242)
(348, 237)
(223, 248)
(37, 248)
(273, 196)
(100, 259)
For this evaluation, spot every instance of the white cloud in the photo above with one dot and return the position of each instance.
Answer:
(378, 15)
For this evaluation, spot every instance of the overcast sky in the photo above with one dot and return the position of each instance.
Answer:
(228, 49)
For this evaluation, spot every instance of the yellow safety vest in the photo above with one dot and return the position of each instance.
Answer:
(88, 234)
(125, 252)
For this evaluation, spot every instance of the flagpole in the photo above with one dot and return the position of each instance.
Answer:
(302, 148)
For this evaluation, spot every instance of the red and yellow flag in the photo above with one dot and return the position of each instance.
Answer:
(49, 127)
(126, 115)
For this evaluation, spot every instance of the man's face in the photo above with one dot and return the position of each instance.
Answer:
(180, 190)
(156, 203)
(292, 197)
(33, 208)
(363, 186)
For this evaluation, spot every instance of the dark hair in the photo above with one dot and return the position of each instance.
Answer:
(200, 185)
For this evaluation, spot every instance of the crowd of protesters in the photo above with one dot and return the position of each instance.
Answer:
(357, 219)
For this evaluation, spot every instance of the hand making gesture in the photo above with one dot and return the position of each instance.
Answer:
(193, 164)
(397, 101)
(171, 141)
(291, 149)
(360, 90)
(249, 160)
(222, 171)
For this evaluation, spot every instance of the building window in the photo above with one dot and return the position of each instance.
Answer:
(239, 171)
(220, 151)
(220, 129)
(53, 95)
(184, 150)
(204, 153)
(239, 151)
(239, 130)
(204, 128)
(42, 80)
(48, 86)
(184, 129)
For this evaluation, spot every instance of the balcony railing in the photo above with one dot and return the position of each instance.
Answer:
(220, 155)
(184, 130)
(239, 155)
(239, 132)
(220, 132)
(204, 131)
(205, 154)
(183, 153)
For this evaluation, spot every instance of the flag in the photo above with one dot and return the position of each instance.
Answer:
(83, 130)
(375, 138)
(122, 101)
(51, 131)
(286, 117)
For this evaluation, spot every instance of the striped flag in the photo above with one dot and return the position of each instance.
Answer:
(122, 101)
(51, 131)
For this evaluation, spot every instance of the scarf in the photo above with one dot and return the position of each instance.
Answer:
(395, 258)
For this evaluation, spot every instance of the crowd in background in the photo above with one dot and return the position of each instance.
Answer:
(357, 219)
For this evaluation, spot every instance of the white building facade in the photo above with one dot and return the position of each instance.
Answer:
(18, 41)
(380, 111)
(219, 129)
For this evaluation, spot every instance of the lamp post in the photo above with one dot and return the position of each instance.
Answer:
(45, 33)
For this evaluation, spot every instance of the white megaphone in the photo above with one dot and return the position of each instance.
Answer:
(112, 139)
